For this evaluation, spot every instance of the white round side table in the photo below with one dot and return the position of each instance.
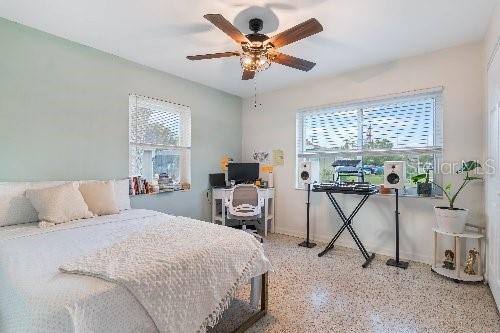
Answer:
(472, 234)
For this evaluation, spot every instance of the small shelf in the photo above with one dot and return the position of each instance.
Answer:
(471, 234)
(461, 245)
(457, 275)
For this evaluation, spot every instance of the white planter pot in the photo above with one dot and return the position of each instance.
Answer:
(449, 220)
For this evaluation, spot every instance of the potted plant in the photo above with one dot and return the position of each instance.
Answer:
(450, 218)
(424, 186)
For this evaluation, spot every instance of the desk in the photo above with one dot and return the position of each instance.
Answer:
(221, 194)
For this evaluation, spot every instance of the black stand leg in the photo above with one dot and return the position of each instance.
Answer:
(396, 262)
(344, 219)
(307, 243)
(347, 224)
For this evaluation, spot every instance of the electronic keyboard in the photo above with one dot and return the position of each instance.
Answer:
(347, 187)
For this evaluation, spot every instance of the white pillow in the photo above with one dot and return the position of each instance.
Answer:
(15, 208)
(100, 197)
(59, 204)
(122, 197)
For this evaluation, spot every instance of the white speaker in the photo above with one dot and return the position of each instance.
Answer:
(305, 173)
(394, 174)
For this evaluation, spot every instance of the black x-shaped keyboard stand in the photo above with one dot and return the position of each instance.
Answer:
(347, 222)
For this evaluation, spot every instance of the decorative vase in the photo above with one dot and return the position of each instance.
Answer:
(451, 220)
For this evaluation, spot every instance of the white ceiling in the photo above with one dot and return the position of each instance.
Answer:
(161, 33)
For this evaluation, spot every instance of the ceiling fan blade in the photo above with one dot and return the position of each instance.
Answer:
(248, 75)
(303, 30)
(293, 62)
(220, 22)
(213, 55)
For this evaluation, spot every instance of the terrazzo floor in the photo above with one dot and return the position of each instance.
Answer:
(334, 294)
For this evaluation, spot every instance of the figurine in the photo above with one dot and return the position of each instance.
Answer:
(449, 262)
(471, 260)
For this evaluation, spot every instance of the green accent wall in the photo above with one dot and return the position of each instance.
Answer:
(64, 116)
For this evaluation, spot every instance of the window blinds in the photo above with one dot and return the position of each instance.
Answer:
(402, 124)
(157, 124)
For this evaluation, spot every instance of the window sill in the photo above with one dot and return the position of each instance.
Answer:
(434, 197)
(157, 193)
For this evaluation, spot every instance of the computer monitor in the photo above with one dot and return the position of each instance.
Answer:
(217, 180)
(243, 172)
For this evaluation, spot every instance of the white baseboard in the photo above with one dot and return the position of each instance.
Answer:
(350, 244)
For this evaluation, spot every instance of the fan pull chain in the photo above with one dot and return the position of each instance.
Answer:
(256, 105)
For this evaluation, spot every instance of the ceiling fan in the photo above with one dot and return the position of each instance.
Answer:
(258, 51)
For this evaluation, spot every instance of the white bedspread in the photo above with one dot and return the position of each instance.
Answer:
(36, 297)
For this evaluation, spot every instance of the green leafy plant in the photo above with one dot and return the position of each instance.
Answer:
(424, 186)
(418, 178)
(466, 168)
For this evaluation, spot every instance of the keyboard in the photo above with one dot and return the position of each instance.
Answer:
(350, 187)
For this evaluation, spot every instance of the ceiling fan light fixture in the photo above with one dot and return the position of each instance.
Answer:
(246, 60)
(255, 61)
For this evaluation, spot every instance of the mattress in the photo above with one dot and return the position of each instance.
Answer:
(36, 297)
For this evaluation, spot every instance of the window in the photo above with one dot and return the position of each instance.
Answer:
(405, 127)
(159, 140)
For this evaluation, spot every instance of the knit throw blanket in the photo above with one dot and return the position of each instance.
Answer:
(184, 272)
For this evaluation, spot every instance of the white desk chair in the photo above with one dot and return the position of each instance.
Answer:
(244, 204)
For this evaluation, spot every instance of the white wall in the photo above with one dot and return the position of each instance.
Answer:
(492, 93)
(491, 39)
(458, 70)
(64, 116)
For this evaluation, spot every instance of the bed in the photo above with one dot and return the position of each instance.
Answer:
(36, 296)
